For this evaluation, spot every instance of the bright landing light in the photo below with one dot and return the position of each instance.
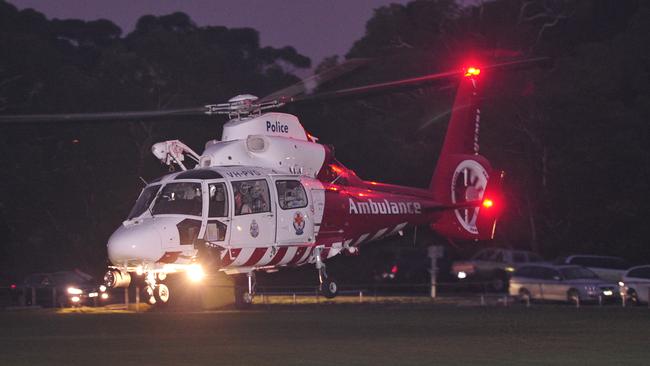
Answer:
(74, 291)
(195, 272)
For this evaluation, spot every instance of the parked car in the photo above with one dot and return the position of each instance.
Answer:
(64, 288)
(606, 267)
(493, 266)
(635, 284)
(560, 283)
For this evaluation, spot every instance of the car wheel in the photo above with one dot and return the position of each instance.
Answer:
(524, 296)
(573, 296)
(633, 297)
(500, 282)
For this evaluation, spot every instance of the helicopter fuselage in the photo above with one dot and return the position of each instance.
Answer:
(249, 218)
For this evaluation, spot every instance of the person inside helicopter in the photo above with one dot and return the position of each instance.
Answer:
(251, 197)
(218, 204)
(182, 198)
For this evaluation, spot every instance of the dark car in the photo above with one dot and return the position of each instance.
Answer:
(493, 266)
(62, 289)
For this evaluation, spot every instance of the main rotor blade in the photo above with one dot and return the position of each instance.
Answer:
(74, 117)
(415, 81)
(380, 86)
(308, 85)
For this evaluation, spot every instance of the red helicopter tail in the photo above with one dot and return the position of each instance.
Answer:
(463, 179)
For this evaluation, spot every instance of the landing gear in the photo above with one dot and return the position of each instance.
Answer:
(328, 286)
(158, 293)
(244, 290)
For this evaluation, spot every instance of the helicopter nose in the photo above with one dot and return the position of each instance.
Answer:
(135, 243)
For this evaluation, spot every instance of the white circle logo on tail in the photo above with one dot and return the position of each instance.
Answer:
(468, 184)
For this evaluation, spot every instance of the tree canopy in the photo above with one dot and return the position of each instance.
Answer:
(571, 137)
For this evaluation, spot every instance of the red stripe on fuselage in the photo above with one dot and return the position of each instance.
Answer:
(258, 253)
(227, 260)
(169, 257)
(299, 253)
(306, 257)
(278, 256)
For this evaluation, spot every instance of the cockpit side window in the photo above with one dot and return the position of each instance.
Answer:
(251, 197)
(144, 201)
(179, 198)
(291, 194)
(218, 200)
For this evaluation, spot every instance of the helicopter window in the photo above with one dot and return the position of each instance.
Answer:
(215, 231)
(218, 200)
(144, 201)
(179, 198)
(251, 197)
(291, 194)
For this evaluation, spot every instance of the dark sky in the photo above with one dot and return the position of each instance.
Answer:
(316, 28)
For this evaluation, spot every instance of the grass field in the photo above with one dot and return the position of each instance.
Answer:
(332, 334)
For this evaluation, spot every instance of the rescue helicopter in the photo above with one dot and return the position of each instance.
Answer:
(267, 195)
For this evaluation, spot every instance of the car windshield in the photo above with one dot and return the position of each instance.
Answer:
(143, 202)
(66, 278)
(575, 273)
(179, 198)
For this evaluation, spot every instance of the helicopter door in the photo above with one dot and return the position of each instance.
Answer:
(217, 231)
(253, 221)
(294, 221)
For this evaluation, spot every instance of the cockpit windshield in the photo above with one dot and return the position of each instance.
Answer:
(179, 198)
(144, 201)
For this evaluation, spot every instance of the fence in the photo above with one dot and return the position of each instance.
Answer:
(476, 293)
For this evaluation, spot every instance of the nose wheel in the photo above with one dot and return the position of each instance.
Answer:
(158, 293)
(328, 286)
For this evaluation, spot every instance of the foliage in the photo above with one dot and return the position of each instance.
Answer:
(572, 137)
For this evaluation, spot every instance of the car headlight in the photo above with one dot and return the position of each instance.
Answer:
(462, 275)
(104, 296)
(608, 292)
(93, 294)
(102, 288)
(75, 291)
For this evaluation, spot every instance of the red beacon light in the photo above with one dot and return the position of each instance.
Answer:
(472, 71)
(487, 203)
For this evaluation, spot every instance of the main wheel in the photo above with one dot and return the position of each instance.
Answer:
(329, 288)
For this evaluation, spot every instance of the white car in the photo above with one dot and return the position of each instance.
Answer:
(606, 267)
(560, 283)
(493, 266)
(635, 284)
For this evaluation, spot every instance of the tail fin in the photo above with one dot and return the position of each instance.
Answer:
(461, 176)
